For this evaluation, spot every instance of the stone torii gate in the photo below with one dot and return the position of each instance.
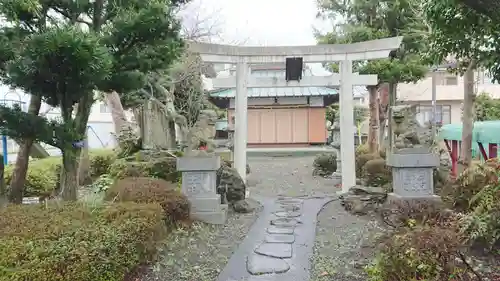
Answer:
(344, 53)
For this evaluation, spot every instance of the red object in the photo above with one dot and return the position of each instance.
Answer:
(453, 150)
(204, 147)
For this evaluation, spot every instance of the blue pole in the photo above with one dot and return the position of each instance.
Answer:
(4, 144)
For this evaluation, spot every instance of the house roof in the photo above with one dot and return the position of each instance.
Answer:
(276, 92)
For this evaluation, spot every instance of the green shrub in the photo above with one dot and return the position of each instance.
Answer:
(100, 161)
(43, 174)
(361, 160)
(163, 168)
(362, 149)
(419, 253)
(426, 244)
(41, 177)
(74, 242)
(102, 183)
(151, 190)
(483, 222)
(325, 164)
(469, 183)
(377, 173)
(122, 168)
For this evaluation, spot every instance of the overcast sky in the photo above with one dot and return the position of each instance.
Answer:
(263, 22)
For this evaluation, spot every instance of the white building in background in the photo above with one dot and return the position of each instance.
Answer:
(100, 124)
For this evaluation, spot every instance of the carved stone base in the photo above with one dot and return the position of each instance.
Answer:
(393, 198)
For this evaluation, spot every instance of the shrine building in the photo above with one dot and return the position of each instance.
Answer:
(280, 117)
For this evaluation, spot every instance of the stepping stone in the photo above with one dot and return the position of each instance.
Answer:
(280, 238)
(290, 201)
(259, 264)
(286, 222)
(279, 230)
(287, 214)
(288, 208)
(275, 250)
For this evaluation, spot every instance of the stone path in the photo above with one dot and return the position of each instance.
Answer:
(280, 244)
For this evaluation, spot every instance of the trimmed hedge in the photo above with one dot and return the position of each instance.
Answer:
(43, 174)
(72, 242)
(151, 190)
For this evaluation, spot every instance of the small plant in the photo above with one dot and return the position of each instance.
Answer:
(325, 164)
(102, 184)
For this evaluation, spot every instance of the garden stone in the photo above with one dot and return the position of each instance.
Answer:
(279, 230)
(280, 238)
(259, 264)
(230, 185)
(275, 250)
(243, 206)
(287, 214)
(286, 222)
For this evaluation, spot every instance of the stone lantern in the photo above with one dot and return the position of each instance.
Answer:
(336, 145)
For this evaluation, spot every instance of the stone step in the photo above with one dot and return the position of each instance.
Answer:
(205, 204)
(218, 217)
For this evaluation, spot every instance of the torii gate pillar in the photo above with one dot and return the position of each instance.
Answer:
(343, 53)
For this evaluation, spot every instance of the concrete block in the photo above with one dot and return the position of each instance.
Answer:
(211, 163)
(218, 217)
(208, 204)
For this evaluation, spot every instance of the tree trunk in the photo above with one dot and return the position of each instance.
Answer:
(23, 155)
(117, 112)
(374, 120)
(69, 175)
(173, 136)
(467, 119)
(84, 176)
(3, 188)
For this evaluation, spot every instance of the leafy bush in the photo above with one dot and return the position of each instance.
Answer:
(362, 149)
(163, 168)
(77, 243)
(43, 174)
(150, 190)
(483, 222)
(100, 161)
(361, 160)
(41, 178)
(469, 183)
(325, 164)
(419, 253)
(426, 244)
(102, 183)
(376, 172)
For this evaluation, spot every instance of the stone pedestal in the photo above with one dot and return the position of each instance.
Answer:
(336, 144)
(412, 176)
(199, 185)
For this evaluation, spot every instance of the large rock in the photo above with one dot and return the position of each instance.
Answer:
(363, 200)
(230, 185)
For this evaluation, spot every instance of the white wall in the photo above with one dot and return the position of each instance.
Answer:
(101, 129)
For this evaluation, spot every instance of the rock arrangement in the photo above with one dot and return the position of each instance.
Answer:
(232, 188)
(363, 200)
(270, 257)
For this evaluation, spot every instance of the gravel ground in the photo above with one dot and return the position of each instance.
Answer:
(344, 244)
(287, 176)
